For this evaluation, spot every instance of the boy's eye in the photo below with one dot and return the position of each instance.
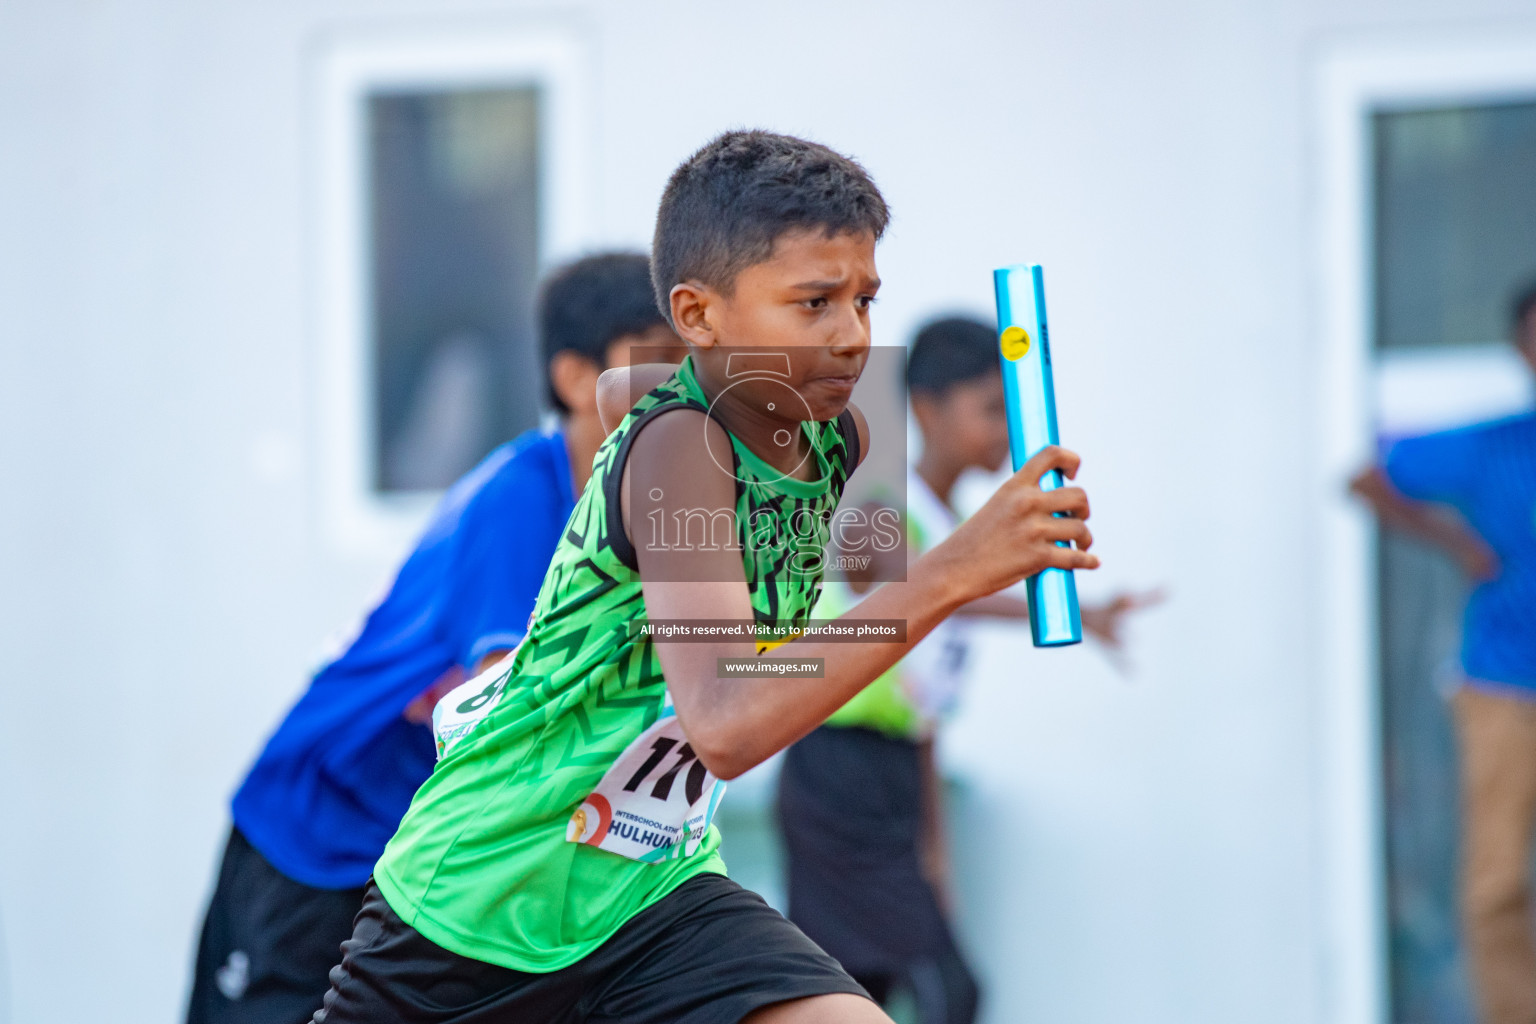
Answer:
(865, 301)
(819, 302)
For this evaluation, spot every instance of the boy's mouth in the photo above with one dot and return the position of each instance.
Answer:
(842, 382)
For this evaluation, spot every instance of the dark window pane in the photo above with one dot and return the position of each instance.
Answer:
(455, 200)
(1455, 222)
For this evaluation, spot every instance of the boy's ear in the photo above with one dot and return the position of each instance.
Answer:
(574, 378)
(927, 410)
(691, 308)
(1525, 338)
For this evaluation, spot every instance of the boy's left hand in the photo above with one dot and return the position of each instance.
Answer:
(419, 710)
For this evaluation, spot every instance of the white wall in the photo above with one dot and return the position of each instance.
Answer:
(1146, 849)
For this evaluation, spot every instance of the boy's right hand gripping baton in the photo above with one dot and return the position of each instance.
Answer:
(1054, 620)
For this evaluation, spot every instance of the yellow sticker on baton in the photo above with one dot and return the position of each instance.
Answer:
(1015, 343)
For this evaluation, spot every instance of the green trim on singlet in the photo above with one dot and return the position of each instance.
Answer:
(884, 705)
(756, 465)
(481, 865)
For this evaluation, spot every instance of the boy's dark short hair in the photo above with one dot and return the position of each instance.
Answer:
(723, 209)
(1524, 302)
(587, 305)
(953, 350)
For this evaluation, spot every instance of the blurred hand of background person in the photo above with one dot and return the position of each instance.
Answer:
(419, 710)
(1105, 622)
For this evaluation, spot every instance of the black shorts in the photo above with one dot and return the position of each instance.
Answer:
(268, 943)
(709, 952)
(851, 810)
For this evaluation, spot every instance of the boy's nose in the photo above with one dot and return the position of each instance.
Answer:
(851, 334)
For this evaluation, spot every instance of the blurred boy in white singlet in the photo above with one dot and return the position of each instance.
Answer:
(859, 798)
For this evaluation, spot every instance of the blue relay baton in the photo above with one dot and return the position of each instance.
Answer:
(1054, 620)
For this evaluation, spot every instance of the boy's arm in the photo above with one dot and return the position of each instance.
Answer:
(1426, 521)
(735, 722)
(618, 388)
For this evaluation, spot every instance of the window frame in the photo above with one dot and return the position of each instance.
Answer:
(358, 520)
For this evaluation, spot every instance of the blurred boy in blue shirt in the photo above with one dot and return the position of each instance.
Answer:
(330, 787)
(1487, 473)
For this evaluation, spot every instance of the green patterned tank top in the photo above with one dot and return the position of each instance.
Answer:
(567, 798)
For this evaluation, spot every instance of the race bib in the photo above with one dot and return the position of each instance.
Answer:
(464, 707)
(654, 803)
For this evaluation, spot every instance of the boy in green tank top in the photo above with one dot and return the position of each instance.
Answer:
(561, 864)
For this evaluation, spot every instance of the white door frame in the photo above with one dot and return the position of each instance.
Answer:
(351, 65)
(1352, 80)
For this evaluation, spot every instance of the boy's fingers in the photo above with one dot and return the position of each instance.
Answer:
(1071, 500)
(1046, 459)
(1071, 558)
(1074, 531)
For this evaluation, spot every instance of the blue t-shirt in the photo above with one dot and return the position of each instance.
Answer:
(333, 782)
(1488, 473)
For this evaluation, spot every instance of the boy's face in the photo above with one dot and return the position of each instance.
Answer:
(574, 376)
(967, 422)
(810, 301)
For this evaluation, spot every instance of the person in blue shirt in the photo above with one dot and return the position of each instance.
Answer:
(332, 783)
(1472, 492)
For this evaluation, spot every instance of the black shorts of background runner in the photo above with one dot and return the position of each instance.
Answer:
(851, 812)
(268, 943)
(709, 952)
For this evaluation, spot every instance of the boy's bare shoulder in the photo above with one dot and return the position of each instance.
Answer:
(619, 387)
(674, 467)
(681, 429)
(684, 452)
(862, 425)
